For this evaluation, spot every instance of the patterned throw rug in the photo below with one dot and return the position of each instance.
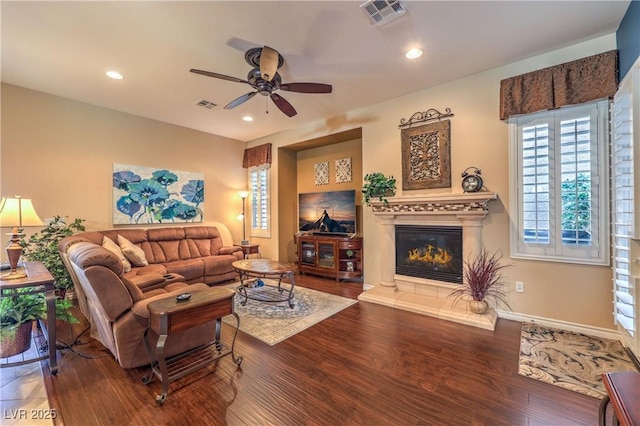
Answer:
(275, 322)
(570, 360)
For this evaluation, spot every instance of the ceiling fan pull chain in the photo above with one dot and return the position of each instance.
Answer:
(266, 104)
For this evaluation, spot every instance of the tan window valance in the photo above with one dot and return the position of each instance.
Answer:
(257, 156)
(575, 82)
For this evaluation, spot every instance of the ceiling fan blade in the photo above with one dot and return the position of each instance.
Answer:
(283, 105)
(268, 63)
(242, 99)
(306, 87)
(220, 76)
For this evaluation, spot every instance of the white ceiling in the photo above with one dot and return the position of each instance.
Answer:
(64, 48)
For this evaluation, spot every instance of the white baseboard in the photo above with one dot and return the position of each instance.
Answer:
(563, 325)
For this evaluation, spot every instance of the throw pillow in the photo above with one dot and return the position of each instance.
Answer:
(110, 245)
(134, 253)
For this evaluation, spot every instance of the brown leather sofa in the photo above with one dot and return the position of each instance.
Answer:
(180, 259)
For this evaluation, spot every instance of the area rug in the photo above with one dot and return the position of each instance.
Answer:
(275, 322)
(570, 360)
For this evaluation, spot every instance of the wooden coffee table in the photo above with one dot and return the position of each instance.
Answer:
(252, 270)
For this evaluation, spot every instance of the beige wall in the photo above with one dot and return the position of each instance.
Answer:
(564, 292)
(307, 159)
(61, 152)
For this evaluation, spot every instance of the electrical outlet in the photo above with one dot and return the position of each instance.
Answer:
(519, 286)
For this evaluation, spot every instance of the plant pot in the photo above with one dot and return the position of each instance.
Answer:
(20, 342)
(478, 306)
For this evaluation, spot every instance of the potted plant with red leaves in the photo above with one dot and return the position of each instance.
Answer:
(482, 283)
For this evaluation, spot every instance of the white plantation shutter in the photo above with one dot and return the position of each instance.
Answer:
(558, 162)
(623, 225)
(536, 165)
(259, 210)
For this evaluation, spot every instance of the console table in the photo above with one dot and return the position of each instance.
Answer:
(38, 280)
(623, 391)
(168, 316)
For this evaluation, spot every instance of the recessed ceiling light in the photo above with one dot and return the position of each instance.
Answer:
(413, 53)
(114, 75)
(247, 118)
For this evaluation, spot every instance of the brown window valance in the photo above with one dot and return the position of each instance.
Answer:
(575, 82)
(257, 156)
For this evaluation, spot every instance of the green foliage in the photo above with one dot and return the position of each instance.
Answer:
(576, 203)
(482, 280)
(379, 186)
(19, 309)
(43, 247)
(23, 307)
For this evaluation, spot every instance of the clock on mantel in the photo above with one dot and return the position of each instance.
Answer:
(471, 179)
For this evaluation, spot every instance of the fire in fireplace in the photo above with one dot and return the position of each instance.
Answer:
(433, 252)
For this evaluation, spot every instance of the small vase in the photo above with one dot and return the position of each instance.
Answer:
(478, 306)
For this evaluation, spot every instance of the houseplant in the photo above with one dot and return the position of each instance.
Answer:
(482, 282)
(43, 247)
(17, 313)
(379, 186)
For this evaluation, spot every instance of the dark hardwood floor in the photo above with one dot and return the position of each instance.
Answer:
(367, 365)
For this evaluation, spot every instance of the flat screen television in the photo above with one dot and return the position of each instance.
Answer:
(332, 212)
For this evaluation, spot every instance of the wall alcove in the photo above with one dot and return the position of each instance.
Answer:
(295, 175)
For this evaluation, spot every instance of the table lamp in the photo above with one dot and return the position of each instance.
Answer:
(16, 212)
(243, 195)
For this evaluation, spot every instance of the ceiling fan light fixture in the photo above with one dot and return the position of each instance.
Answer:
(114, 75)
(413, 53)
(247, 118)
(267, 87)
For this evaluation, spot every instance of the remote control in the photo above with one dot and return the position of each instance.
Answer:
(183, 296)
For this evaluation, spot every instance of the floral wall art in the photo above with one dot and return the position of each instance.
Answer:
(144, 195)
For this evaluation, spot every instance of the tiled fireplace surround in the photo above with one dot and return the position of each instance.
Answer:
(420, 295)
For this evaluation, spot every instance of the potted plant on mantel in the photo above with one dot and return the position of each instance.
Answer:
(379, 186)
(482, 282)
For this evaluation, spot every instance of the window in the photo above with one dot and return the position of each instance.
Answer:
(259, 208)
(558, 185)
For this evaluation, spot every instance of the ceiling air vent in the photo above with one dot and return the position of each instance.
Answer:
(383, 11)
(206, 104)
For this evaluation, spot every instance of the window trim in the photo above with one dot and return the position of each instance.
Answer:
(521, 250)
(255, 231)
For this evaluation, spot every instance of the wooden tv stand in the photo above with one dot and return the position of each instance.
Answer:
(328, 255)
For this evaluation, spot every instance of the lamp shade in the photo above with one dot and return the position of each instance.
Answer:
(18, 212)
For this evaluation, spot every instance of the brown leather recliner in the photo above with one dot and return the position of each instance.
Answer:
(117, 304)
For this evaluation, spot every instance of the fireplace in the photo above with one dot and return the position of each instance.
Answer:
(453, 223)
(431, 252)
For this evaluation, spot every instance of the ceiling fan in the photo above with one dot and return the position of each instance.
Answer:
(264, 78)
